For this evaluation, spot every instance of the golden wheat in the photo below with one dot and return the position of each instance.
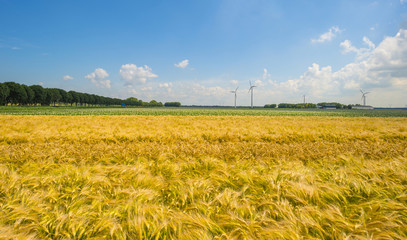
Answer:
(203, 177)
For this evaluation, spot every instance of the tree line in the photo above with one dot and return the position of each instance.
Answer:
(12, 93)
(309, 105)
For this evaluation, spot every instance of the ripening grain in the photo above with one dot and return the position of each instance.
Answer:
(202, 177)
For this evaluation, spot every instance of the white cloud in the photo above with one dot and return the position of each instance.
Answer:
(368, 43)
(67, 77)
(98, 78)
(266, 75)
(234, 82)
(167, 86)
(315, 81)
(133, 75)
(381, 70)
(361, 53)
(259, 83)
(41, 83)
(182, 64)
(328, 36)
(133, 91)
(146, 88)
(348, 47)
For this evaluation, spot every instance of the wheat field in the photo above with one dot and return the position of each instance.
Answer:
(202, 177)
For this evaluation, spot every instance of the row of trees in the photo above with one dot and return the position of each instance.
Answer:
(308, 105)
(19, 94)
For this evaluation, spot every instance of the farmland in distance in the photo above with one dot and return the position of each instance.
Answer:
(198, 111)
(140, 176)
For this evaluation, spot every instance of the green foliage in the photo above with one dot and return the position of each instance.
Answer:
(132, 101)
(20, 94)
(17, 94)
(4, 92)
(154, 103)
(270, 106)
(297, 105)
(39, 94)
(338, 105)
(172, 104)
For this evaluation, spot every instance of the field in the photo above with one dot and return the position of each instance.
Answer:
(138, 176)
(200, 111)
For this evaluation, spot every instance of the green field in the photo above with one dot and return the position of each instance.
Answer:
(201, 111)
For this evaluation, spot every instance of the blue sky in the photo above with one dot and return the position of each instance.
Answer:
(195, 52)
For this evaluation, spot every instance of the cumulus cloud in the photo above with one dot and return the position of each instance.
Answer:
(98, 78)
(234, 82)
(266, 75)
(182, 64)
(381, 69)
(133, 75)
(133, 91)
(67, 77)
(259, 83)
(328, 36)
(167, 86)
(318, 81)
(146, 88)
(360, 52)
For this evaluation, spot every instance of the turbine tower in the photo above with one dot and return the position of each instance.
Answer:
(235, 92)
(251, 90)
(364, 97)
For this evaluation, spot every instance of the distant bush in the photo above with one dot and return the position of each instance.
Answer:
(172, 104)
(152, 103)
(338, 105)
(297, 105)
(270, 106)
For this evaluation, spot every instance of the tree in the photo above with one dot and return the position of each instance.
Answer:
(132, 101)
(172, 104)
(4, 92)
(17, 93)
(54, 95)
(64, 95)
(154, 103)
(30, 94)
(270, 105)
(39, 94)
(76, 98)
(337, 105)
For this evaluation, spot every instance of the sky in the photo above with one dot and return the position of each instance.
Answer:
(197, 52)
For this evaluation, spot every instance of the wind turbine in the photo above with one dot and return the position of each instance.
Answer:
(235, 92)
(364, 97)
(251, 90)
